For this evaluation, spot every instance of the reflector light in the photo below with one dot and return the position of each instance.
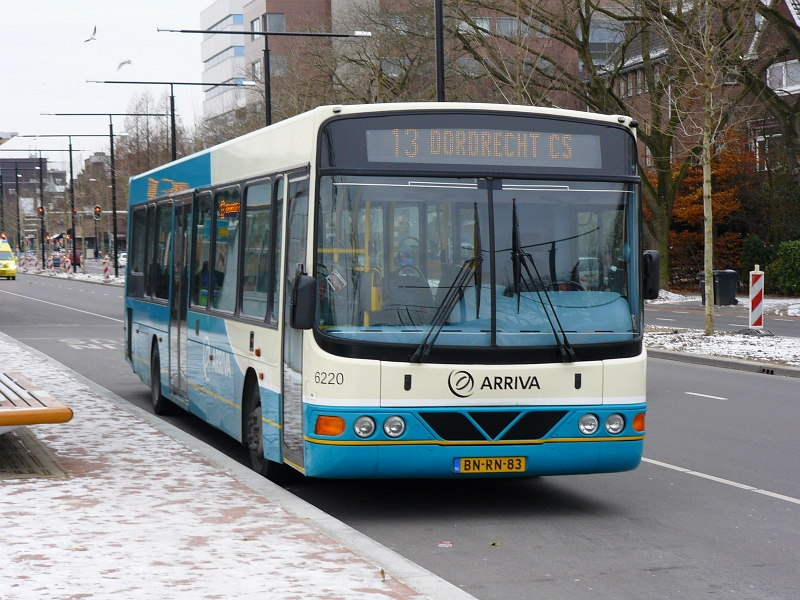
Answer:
(327, 425)
(638, 422)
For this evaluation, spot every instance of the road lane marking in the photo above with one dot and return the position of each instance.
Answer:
(735, 484)
(705, 396)
(86, 312)
(788, 320)
(681, 312)
(663, 319)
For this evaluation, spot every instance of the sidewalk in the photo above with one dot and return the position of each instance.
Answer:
(119, 504)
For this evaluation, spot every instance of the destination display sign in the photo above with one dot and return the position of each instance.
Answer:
(504, 147)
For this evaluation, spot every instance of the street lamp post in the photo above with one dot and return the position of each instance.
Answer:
(171, 85)
(439, 18)
(266, 34)
(16, 183)
(113, 167)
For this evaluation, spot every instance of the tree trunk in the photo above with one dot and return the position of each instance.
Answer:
(708, 223)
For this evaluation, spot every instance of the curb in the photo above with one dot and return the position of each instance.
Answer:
(725, 363)
(426, 583)
(98, 281)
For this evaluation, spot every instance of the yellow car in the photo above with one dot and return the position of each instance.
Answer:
(8, 266)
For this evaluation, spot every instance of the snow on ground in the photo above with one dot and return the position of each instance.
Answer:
(139, 515)
(772, 306)
(772, 349)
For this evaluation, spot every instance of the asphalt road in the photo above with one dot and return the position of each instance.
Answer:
(726, 318)
(714, 509)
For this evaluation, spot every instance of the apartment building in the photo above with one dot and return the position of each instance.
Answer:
(223, 57)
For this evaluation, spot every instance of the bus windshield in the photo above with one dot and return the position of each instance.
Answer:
(390, 251)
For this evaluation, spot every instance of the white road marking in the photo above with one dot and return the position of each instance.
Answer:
(663, 319)
(681, 312)
(789, 320)
(86, 312)
(736, 484)
(705, 396)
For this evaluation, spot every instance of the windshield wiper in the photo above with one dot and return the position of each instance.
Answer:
(520, 259)
(469, 269)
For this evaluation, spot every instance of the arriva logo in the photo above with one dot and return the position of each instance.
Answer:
(215, 361)
(461, 384)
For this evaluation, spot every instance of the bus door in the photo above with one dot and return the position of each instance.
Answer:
(292, 384)
(178, 303)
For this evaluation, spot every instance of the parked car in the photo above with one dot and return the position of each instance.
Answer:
(122, 259)
(56, 256)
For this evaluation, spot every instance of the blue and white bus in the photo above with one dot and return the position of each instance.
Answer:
(405, 290)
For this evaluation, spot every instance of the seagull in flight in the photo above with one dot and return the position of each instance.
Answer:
(92, 36)
(123, 63)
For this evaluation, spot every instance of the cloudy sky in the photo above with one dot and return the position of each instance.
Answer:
(45, 62)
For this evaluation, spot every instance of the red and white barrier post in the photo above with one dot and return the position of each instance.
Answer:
(106, 274)
(757, 298)
(68, 266)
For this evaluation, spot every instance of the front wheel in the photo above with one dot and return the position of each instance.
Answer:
(254, 440)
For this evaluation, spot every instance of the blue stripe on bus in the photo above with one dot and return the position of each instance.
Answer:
(185, 174)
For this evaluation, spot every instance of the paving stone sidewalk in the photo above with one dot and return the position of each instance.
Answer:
(129, 512)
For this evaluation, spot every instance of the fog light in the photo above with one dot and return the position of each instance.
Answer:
(394, 426)
(327, 425)
(588, 424)
(364, 427)
(615, 423)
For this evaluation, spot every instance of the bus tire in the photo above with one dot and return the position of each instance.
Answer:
(161, 405)
(254, 440)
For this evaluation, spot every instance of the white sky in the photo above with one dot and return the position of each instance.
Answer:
(44, 65)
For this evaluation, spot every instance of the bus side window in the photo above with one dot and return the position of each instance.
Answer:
(161, 262)
(226, 249)
(257, 244)
(201, 251)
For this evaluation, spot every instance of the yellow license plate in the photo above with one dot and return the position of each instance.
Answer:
(497, 464)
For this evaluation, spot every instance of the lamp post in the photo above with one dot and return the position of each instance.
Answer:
(439, 18)
(171, 85)
(266, 34)
(113, 167)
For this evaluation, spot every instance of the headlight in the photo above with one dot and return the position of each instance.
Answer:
(394, 426)
(588, 424)
(364, 427)
(615, 423)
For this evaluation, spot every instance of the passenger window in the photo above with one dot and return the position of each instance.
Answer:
(138, 240)
(257, 270)
(226, 255)
(162, 251)
(202, 251)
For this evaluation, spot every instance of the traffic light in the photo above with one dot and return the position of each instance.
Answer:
(97, 212)
(67, 237)
(41, 210)
(74, 210)
(3, 236)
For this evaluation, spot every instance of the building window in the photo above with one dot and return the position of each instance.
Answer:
(512, 28)
(466, 65)
(258, 72)
(784, 76)
(277, 65)
(223, 56)
(639, 81)
(255, 25)
(482, 26)
(275, 22)
(225, 23)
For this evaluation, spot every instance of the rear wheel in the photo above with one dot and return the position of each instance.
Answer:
(161, 405)
(254, 440)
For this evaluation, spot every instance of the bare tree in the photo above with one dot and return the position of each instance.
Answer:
(710, 54)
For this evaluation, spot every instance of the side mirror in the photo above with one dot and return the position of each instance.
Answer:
(304, 302)
(651, 272)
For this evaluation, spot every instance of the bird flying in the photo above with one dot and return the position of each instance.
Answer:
(123, 63)
(92, 36)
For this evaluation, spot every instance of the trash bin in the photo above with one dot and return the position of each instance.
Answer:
(724, 287)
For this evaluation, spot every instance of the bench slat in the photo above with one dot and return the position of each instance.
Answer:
(23, 403)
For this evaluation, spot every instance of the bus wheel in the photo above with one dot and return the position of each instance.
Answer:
(254, 439)
(161, 405)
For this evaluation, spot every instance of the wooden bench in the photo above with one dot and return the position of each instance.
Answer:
(23, 403)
